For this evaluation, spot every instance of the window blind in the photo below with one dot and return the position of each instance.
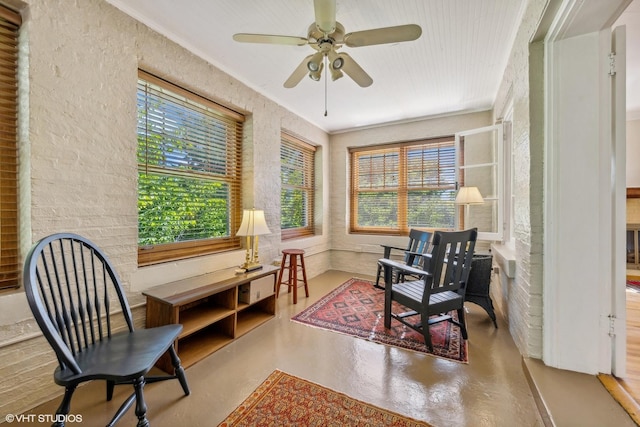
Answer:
(189, 173)
(9, 255)
(401, 186)
(297, 172)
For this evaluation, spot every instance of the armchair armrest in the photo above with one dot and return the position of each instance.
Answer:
(411, 256)
(388, 249)
(387, 263)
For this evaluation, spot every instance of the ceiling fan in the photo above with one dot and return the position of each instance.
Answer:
(326, 36)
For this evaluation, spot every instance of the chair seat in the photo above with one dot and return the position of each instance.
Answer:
(439, 302)
(125, 356)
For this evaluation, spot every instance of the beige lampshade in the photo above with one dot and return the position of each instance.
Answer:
(469, 196)
(253, 223)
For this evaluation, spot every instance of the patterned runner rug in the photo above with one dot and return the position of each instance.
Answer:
(285, 400)
(357, 308)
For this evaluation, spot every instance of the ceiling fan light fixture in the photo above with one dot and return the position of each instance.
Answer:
(335, 60)
(336, 74)
(315, 63)
(315, 75)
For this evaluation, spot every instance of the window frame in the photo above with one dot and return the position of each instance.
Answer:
(403, 190)
(10, 268)
(308, 152)
(154, 254)
(497, 177)
(509, 178)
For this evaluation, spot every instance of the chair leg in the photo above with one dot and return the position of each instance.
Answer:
(378, 276)
(122, 410)
(425, 331)
(387, 296)
(141, 406)
(179, 370)
(110, 386)
(463, 323)
(65, 405)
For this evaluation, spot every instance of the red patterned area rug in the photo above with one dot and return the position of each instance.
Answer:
(285, 400)
(357, 308)
(633, 285)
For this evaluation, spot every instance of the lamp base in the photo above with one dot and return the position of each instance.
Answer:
(249, 267)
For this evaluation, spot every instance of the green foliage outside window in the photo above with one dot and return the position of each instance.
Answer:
(183, 209)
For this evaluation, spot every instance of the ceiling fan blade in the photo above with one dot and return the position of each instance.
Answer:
(270, 39)
(401, 33)
(325, 11)
(298, 73)
(355, 71)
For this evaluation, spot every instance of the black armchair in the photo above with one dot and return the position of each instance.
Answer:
(70, 286)
(440, 287)
(418, 245)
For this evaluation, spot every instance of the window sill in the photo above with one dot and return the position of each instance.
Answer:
(505, 257)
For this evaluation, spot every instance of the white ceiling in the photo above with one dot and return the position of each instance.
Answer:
(455, 66)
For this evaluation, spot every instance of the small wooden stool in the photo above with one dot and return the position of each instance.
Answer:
(292, 276)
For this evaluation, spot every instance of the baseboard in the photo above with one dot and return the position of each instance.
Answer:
(545, 414)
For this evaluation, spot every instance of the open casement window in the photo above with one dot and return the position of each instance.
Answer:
(189, 173)
(479, 163)
(401, 186)
(297, 173)
(9, 264)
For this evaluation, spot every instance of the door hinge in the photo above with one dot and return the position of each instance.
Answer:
(613, 325)
(612, 64)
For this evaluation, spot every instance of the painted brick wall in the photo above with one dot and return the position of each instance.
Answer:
(78, 165)
(522, 83)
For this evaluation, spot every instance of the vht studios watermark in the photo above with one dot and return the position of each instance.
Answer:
(43, 418)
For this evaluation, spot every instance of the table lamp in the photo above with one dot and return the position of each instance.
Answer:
(253, 225)
(468, 196)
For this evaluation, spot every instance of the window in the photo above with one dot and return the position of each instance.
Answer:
(189, 173)
(401, 186)
(298, 187)
(9, 266)
(482, 150)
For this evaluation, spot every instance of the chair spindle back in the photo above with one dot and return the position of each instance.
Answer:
(71, 286)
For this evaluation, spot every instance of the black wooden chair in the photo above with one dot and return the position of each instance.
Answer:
(418, 245)
(440, 287)
(75, 294)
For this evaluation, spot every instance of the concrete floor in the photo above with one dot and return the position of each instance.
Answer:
(491, 390)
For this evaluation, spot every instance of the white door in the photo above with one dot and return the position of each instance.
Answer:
(479, 163)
